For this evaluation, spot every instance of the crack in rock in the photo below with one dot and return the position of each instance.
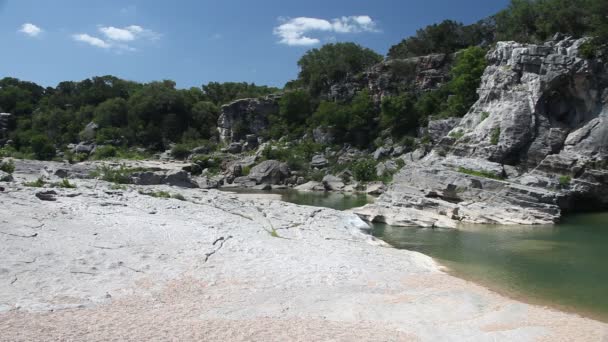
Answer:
(21, 236)
(222, 241)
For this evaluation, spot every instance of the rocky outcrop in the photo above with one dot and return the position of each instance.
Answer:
(535, 145)
(392, 76)
(246, 116)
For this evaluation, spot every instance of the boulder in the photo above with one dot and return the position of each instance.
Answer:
(179, 178)
(62, 173)
(333, 183)
(382, 152)
(270, 172)
(251, 142)
(235, 147)
(46, 195)
(319, 161)
(310, 186)
(233, 171)
(86, 148)
(204, 182)
(323, 135)
(244, 182)
(89, 131)
(375, 188)
(5, 176)
(147, 178)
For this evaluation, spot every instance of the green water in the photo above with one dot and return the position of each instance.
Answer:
(563, 266)
(317, 199)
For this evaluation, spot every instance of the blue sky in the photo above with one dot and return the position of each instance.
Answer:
(195, 42)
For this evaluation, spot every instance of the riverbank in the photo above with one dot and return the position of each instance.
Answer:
(106, 262)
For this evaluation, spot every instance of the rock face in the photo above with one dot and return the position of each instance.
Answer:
(534, 145)
(438, 129)
(246, 116)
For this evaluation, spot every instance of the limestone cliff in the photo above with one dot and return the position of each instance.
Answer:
(533, 146)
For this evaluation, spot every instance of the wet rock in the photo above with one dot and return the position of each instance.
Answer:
(263, 187)
(311, 186)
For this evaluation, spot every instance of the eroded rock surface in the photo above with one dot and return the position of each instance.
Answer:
(534, 146)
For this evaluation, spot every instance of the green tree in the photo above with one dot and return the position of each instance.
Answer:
(399, 114)
(446, 37)
(204, 118)
(112, 112)
(320, 68)
(466, 77)
(42, 147)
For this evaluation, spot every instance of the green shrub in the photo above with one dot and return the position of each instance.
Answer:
(457, 134)
(104, 152)
(42, 147)
(65, 183)
(485, 174)
(484, 115)
(121, 175)
(495, 136)
(38, 183)
(400, 163)
(364, 170)
(8, 166)
(210, 162)
(565, 180)
(180, 151)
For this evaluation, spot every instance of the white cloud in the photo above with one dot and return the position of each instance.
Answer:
(128, 34)
(118, 38)
(114, 33)
(30, 30)
(94, 41)
(296, 31)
